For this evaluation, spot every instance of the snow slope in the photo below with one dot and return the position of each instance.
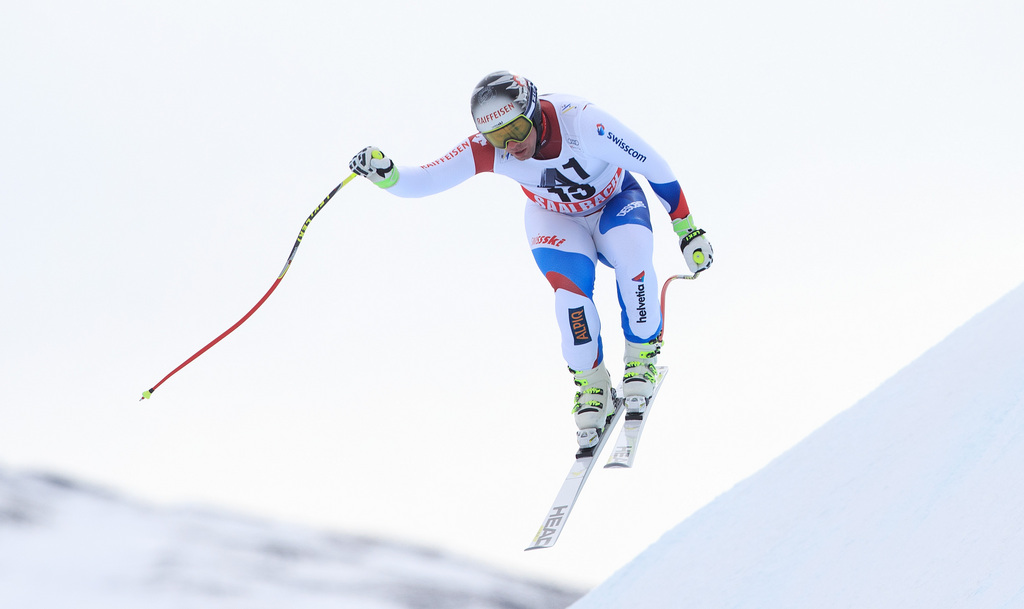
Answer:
(914, 497)
(64, 544)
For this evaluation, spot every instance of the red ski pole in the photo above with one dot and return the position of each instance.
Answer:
(664, 287)
(149, 393)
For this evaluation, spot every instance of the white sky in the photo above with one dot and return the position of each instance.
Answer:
(857, 168)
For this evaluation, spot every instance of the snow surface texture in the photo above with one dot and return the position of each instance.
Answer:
(914, 497)
(63, 544)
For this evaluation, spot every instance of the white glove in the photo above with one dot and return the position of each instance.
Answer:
(374, 165)
(695, 247)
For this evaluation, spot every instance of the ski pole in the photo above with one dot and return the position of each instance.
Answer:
(149, 393)
(664, 287)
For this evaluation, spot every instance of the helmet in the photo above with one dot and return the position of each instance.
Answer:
(505, 108)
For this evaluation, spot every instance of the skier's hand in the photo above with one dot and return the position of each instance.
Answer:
(694, 245)
(374, 165)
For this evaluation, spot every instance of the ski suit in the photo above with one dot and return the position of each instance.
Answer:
(583, 206)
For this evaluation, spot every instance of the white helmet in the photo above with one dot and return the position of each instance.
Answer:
(505, 108)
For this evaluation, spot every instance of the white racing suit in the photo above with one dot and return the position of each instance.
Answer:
(583, 206)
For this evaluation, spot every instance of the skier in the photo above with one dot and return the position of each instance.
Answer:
(574, 162)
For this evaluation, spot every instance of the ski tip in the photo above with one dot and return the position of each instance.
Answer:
(540, 542)
(616, 465)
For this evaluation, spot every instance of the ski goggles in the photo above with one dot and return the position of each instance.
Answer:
(516, 131)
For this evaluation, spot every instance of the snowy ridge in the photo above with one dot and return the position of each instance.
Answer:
(64, 544)
(914, 497)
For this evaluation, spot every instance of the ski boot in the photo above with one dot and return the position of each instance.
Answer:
(593, 404)
(641, 374)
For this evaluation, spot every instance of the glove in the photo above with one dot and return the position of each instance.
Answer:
(695, 247)
(372, 164)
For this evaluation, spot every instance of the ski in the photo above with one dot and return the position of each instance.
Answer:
(637, 412)
(556, 517)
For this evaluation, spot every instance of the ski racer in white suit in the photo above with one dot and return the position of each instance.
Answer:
(574, 162)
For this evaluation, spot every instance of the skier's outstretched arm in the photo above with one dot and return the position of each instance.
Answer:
(462, 162)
